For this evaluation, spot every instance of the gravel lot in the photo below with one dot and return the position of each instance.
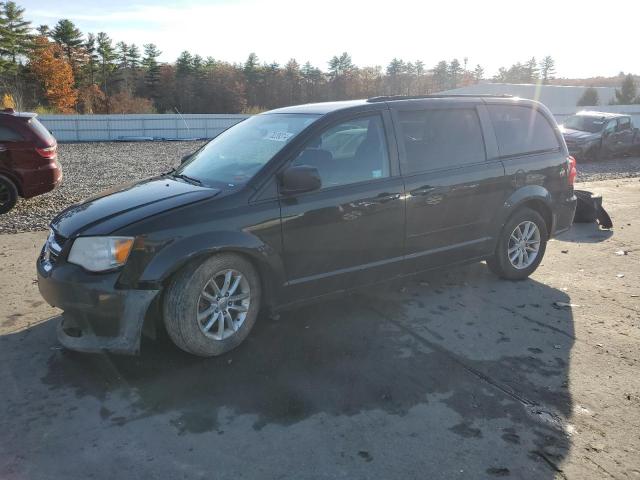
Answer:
(91, 167)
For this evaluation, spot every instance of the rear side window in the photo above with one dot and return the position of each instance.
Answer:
(9, 135)
(521, 130)
(440, 138)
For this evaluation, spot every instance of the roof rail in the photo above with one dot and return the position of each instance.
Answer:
(386, 98)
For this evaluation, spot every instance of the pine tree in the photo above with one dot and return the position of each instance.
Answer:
(441, 75)
(133, 56)
(124, 68)
(152, 70)
(589, 98)
(107, 55)
(532, 73)
(15, 34)
(252, 75)
(69, 37)
(43, 30)
(627, 94)
(184, 64)
(455, 70)
(92, 57)
(547, 69)
(478, 73)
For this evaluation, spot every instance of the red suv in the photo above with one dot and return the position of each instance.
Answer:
(28, 158)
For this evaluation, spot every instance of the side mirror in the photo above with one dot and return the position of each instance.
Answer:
(186, 157)
(300, 179)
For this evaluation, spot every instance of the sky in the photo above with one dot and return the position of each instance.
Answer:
(585, 38)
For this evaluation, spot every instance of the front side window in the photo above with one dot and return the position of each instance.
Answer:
(440, 138)
(349, 152)
(9, 135)
(236, 155)
(611, 126)
(521, 130)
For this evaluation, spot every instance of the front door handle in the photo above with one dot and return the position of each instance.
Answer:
(425, 190)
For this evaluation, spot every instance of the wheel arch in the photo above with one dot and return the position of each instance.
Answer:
(534, 197)
(174, 257)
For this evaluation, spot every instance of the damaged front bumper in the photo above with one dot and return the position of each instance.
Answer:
(97, 315)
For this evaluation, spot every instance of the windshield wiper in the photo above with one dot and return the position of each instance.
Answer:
(187, 178)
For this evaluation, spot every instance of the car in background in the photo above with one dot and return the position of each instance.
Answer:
(28, 158)
(597, 135)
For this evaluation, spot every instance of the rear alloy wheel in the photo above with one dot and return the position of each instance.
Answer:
(211, 307)
(521, 245)
(8, 194)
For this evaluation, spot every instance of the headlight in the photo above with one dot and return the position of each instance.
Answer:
(98, 254)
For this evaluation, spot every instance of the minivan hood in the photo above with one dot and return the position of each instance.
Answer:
(126, 204)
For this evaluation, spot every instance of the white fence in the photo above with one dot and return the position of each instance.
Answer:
(96, 128)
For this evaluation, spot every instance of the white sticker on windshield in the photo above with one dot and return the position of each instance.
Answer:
(279, 136)
(376, 174)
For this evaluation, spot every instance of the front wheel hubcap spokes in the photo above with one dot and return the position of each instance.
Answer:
(524, 244)
(223, 304)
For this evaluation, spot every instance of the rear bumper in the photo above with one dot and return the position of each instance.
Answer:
(563, 215)
(97, 315)
(41, 180)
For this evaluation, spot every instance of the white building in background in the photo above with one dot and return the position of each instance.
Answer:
(557, 98)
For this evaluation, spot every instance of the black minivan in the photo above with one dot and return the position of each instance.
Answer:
(306, 201)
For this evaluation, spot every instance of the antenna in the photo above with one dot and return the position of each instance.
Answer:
(184, 121)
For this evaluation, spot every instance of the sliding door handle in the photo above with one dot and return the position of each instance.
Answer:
(426, 190)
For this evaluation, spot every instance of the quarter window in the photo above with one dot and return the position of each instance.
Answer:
(440, 138)
(521, 130)
(9, 135)
(349, 152)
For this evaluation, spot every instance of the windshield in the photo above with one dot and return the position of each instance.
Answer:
(236, 155)
(584, 123)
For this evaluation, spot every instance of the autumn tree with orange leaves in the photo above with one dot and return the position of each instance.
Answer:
(55, 74)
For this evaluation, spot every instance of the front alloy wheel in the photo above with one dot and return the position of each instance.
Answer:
(223, 304)
(211, 306)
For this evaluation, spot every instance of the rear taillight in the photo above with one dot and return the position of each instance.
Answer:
(572, 170)
(48, 152)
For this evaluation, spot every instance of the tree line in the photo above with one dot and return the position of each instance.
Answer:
(61, 69)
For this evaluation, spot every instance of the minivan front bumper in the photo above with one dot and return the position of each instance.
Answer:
(97, 316)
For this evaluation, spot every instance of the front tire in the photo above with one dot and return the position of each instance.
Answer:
(521, 245)
(211, 307)
(8, 194)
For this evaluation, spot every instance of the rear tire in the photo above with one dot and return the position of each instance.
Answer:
(517, 255)
(208, 314)
(8, 194)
